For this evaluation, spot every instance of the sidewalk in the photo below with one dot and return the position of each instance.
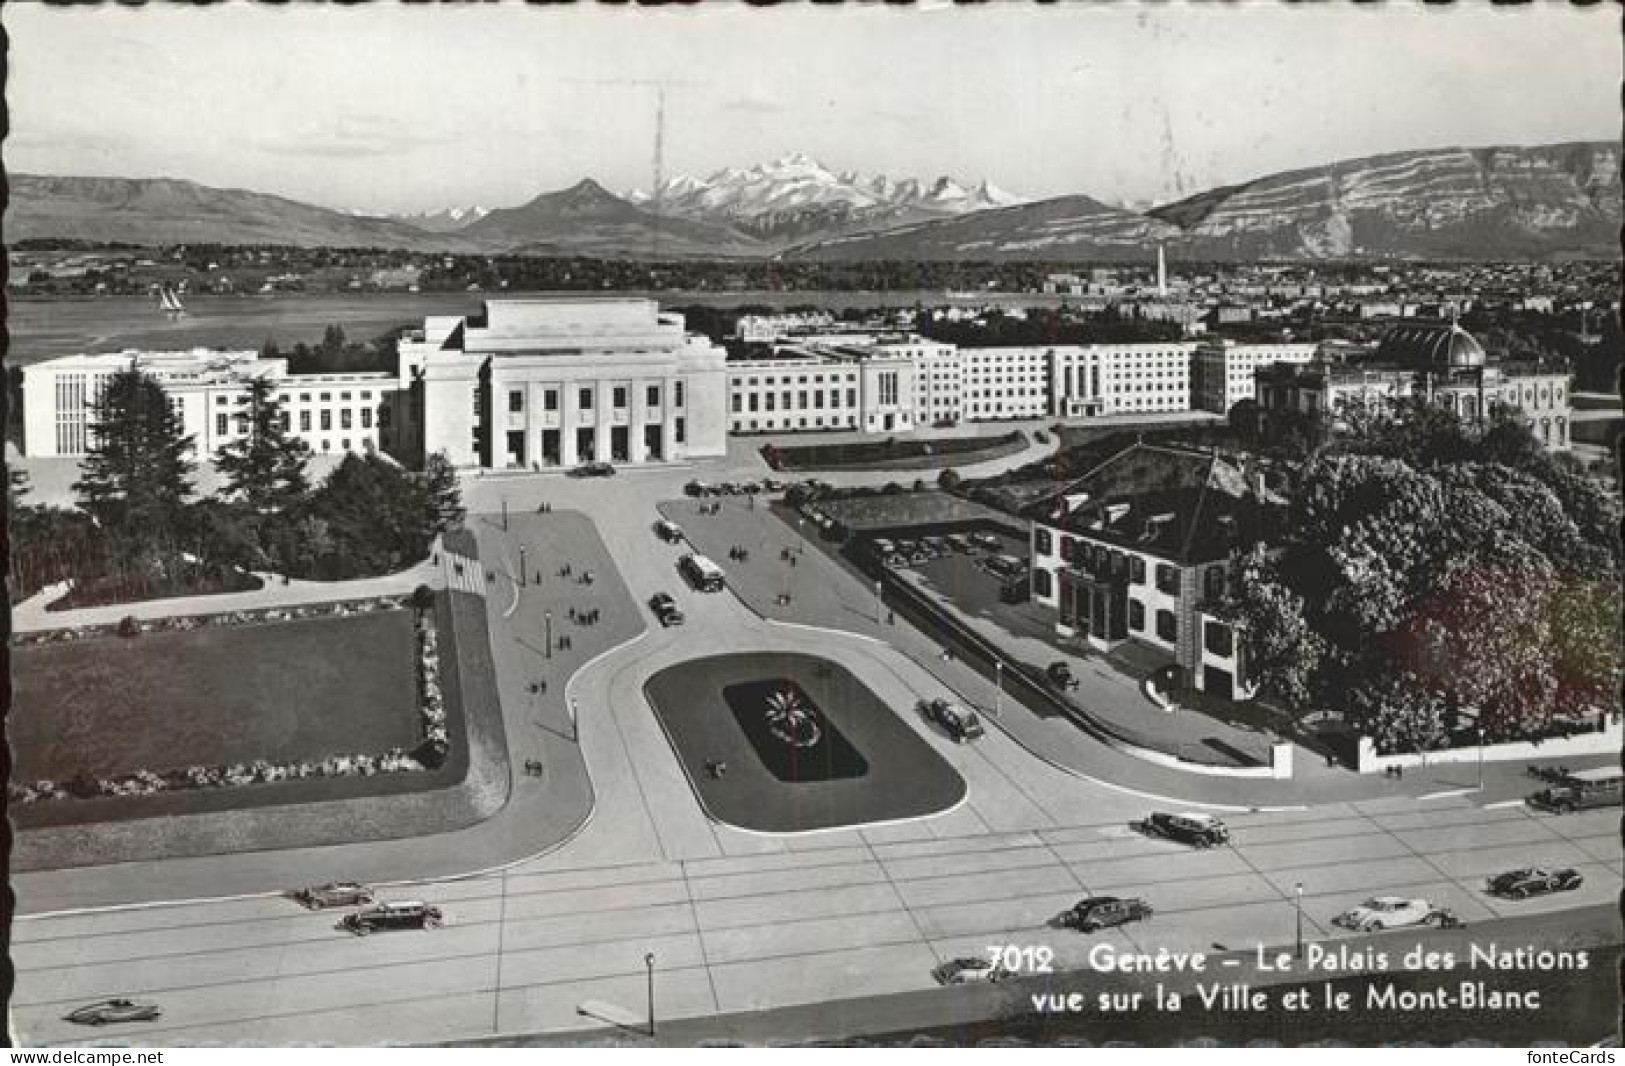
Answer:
(31, 615)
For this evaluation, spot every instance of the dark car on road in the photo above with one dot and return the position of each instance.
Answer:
(665, 609)
(961, 725)
(387, 916)
(113, 1011)
(668, 531)
(334, 894)
(1534, 881)
(596, 469)
(1197, 830)
(1061, 676)
(970, 970)
(1103, 912)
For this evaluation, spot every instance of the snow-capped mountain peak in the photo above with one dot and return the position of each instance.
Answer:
(446, 219)
(795, 195)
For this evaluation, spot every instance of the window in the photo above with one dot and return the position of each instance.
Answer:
(1136, 616)
(220, 422)
(327, 420)
(768, 397)
(651, 396)
(344, 397)
(327, 445)
(550, 400)
(1213, 583)
(304, 421)
(345, 443)
(1136, 568)
(787, 399)
(285, 421)
(383, 418)
(366, 395)
(516, 401)
(851, 397)
(1043, 543)
(366, 418)
(327, 397)
(754, 401)
(1043, 583)
(677, 394)
(1167, 626)
(680, 430)
(1167, 579)
(584, 399)
(1218, 639)
(739, 403)
(344, 418)
(304, 397)
(619, 397)
(818, 399)
(801, 399)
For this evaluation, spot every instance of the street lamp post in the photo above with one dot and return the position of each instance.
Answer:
(1298, 896)
(878, 587)
(523, 573)
(504, 514)
(998, 687)
(801, 537)
(1481, 758)
(549, 617)
(649, 964)
(575, 720)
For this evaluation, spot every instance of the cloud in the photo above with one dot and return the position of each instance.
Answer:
(347, 137)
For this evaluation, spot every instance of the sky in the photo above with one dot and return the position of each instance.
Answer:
(386, 107)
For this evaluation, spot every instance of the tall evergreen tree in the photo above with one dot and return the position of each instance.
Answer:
(265, 468)
(136, 474)
(442, 497)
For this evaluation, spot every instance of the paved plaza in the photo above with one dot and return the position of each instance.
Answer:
(555, 901)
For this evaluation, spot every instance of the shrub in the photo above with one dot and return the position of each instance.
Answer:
(128, 626)
(422, 598)
(949, 479)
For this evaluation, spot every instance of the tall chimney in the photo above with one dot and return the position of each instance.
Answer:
(1162, 272)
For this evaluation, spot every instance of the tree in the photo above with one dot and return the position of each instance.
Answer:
(1398, 713)
(1282, 652)
(443, 499)
(135, 476)
(1244, 419)
(265, 467)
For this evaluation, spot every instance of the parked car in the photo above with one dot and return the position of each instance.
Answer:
(666, 609)
(960, 724)
(770, 485)
(387, 916)
(1103, 912)
(1534, 881)
(335, 894)
(959, 542)
(1394, 912)
(668, 531)
(969, 971)
(1197, 830)
(112, 1012)
(987, 542)
(1061, 676)
(1580, 791)
(696, 488)
(594, 469)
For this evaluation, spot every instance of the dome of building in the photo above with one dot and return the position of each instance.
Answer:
(1437, 346)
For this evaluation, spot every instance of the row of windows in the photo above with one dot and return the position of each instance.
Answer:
(817, 379)
(818, 422)
(585, 398)
(287, 397)
(222, 421)
(1167, 624)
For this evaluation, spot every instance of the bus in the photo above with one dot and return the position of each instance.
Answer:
(1582, 790)
(702, 573)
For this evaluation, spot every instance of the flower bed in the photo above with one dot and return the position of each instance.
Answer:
(435, 746)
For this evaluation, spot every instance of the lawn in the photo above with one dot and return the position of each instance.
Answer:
(871, 766)
(894, 453)
(281, 692)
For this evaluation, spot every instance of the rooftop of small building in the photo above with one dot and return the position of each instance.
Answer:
(1182, 504)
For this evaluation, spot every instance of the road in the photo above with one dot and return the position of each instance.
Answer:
(740, 921)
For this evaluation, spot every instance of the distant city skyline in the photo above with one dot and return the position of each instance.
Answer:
(396, 109)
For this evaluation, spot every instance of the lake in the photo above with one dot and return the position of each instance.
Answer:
(50, 328)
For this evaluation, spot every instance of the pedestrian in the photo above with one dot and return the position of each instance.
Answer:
(572, 614)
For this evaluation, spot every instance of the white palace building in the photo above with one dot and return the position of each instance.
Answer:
(527, 384)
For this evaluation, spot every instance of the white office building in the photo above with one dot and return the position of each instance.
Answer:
(1109, 379)
(1224, 372)
(543, 382)
(208, 389)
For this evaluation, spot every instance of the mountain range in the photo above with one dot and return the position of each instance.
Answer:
(797, 197)
(1551, 201)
